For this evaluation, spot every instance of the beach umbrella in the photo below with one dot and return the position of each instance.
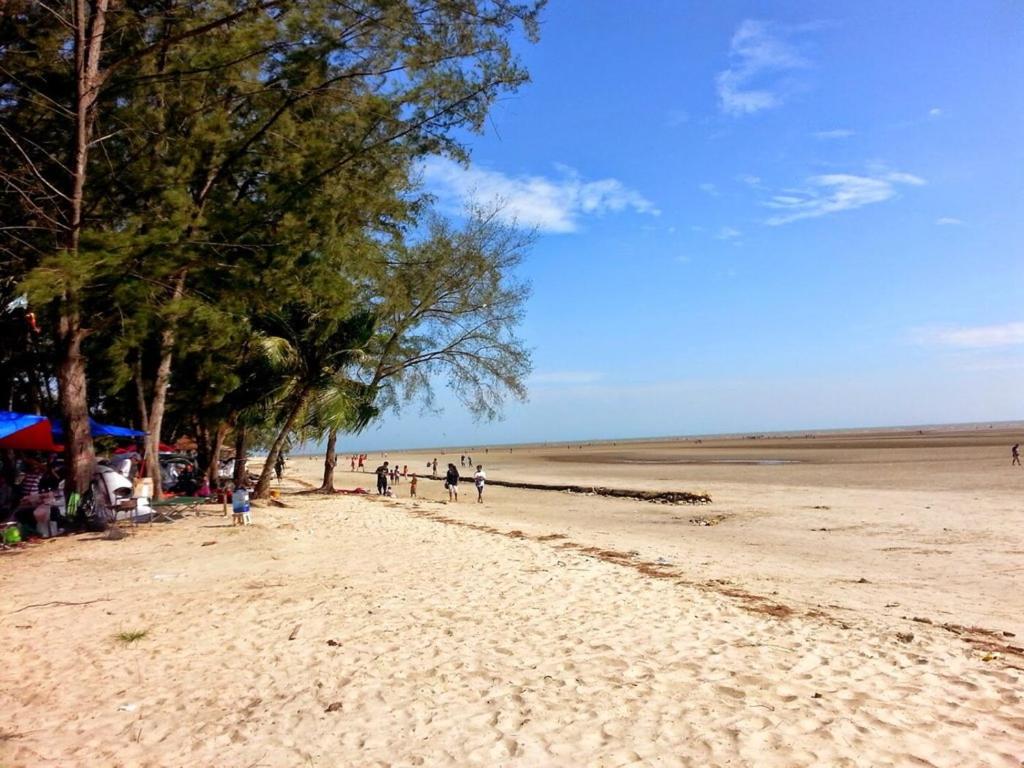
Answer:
(26, 432)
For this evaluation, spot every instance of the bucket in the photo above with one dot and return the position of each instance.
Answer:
(240, 501)
(12, 534)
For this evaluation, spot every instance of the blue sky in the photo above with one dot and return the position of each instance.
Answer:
(757, 216)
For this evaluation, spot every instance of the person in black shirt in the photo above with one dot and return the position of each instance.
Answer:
(451, 482)
(382, 479)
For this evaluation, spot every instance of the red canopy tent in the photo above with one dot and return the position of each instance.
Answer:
(24, 432)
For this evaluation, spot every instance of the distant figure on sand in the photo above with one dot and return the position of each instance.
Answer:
(279, 466)
(353, 458)
(412, 486)
(462, 460)
(480, 479)
(451, 482)
(382, 479)
(1015, 454)
(435, 467)
(362, 462)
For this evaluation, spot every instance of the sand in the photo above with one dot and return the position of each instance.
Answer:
(547, 629)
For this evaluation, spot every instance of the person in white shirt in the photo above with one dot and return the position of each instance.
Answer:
(480, 479)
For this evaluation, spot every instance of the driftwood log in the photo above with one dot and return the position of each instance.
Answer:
(657, 497)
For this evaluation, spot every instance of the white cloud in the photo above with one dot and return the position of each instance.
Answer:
(836, 133)
(835, 192)
(973, 337)
(934, 112)
(709, 189)
(750, 180)
(549, 204)
(945, 221)
(566, 377)
(728, 233)
(759, 58)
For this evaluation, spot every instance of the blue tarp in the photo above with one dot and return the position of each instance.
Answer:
(99, 430)
(11, 422)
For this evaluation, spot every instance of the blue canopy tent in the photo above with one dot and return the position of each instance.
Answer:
(100, 430)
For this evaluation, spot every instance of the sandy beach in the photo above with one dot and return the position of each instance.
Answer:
(845, 600)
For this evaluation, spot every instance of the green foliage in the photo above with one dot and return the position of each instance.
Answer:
(248, 205)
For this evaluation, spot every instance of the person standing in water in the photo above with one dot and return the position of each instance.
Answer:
(480, 480)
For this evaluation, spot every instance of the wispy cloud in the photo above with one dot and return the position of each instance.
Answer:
(549, 204)
(972, 337)
(760, 58)
(948, 221)
(835, 133)
(728, 233)
(935, 112)
(565, 377)
(709, 189)
(835, 192)
(750, 180)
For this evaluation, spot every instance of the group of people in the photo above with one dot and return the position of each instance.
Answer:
(30, 493)
(451, 482)
(388, 477)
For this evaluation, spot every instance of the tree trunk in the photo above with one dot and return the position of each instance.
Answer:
(330, 461)
(140, 396)
(275, 450)
(213, 471)
(74, 406)
(240, 477)
(89, 25)
(202, 447)
(159, 401)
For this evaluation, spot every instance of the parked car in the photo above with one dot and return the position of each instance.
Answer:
(226, 469)
(178, 474)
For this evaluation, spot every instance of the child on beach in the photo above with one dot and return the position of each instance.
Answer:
(412, 486)
(480, 479)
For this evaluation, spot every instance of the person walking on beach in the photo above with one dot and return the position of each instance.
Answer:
(480, 479)
(435, 467)
(382, 479)
(362, 462)
(451, 482)
(279, 467)
(412, 486)
(1015, 454)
